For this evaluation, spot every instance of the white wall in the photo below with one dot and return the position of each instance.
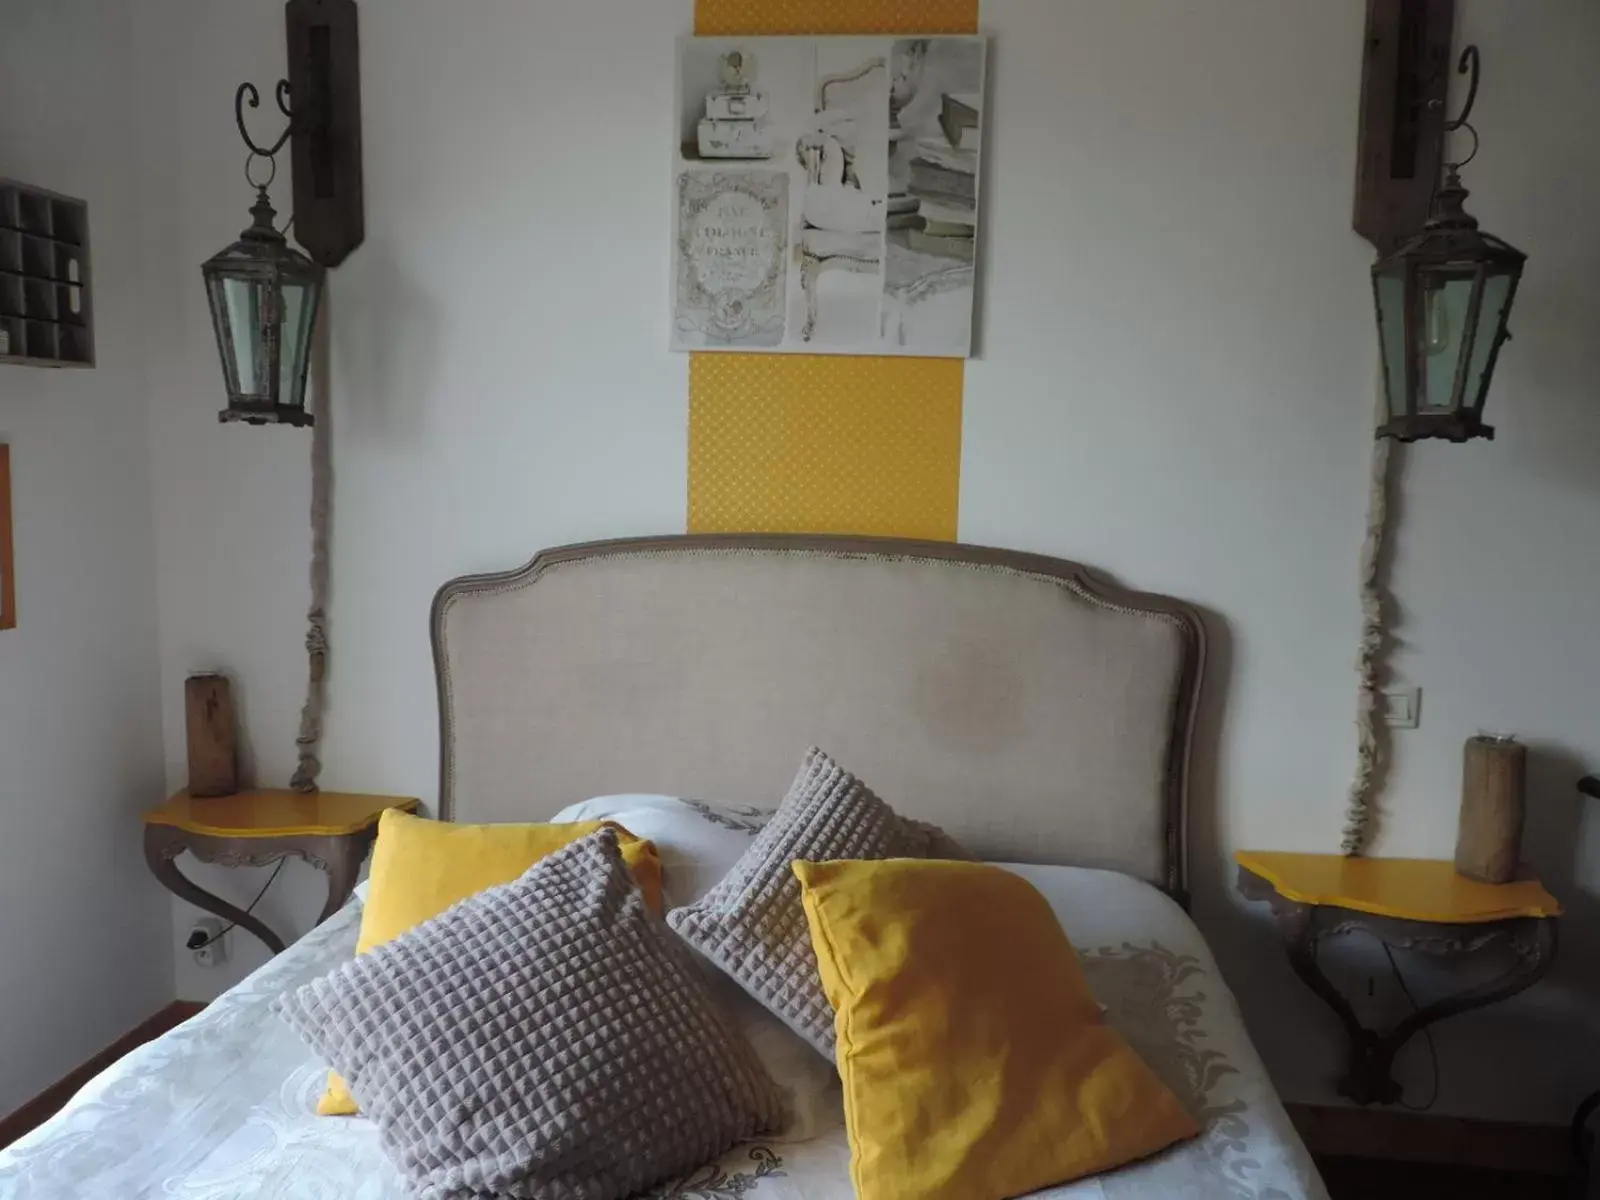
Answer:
(83, 951)
(1177, 382)
(1176, 385)
(496, 389)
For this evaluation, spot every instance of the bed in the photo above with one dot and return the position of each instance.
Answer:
(1040, 713)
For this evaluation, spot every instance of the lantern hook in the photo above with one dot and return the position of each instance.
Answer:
(1471, 66)
(256, 156)
(248, 95)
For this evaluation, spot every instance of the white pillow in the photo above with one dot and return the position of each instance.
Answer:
(698, 843)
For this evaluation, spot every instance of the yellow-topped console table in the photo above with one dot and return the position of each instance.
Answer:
(333, 831)
(1412, 889)
(1407, 904)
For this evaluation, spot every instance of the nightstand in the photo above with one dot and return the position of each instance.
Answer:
(1407, 904)
(330, 830)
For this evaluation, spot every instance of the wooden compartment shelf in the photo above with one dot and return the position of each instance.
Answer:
(46, 314)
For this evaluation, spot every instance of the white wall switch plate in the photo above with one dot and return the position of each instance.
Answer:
(1402, 707)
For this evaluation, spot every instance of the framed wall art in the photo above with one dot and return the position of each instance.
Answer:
(8, 584)
(826, 193)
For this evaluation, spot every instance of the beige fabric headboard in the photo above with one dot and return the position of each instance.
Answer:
(1034, 710)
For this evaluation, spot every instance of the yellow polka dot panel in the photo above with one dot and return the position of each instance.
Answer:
(819, 444)
(739, 18)
(813, 444)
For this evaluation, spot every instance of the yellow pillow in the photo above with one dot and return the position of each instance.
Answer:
(422, 867)
(976, 1063)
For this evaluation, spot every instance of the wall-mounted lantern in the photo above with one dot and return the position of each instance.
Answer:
(1444, 299)
(263, 293)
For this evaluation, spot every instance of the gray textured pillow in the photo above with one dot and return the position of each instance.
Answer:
(752, 924)
(545, 1038)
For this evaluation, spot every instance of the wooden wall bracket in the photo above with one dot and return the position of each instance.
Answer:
(325, 150)
(1405, 78)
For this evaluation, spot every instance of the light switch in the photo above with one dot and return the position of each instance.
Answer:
(1402, 707)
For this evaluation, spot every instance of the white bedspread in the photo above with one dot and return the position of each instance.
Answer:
(222, 1107)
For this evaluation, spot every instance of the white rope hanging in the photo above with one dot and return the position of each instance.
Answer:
(309, 738)
(1361, 814)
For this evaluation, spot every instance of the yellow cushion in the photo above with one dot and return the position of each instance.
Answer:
(975, 1061)
(422, 867)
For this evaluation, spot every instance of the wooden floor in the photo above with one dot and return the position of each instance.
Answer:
(1372, 1179)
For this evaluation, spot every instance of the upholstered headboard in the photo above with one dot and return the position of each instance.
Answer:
(1033, 709)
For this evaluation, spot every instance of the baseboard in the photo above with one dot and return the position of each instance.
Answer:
(1338, 1132)
(50, 1101)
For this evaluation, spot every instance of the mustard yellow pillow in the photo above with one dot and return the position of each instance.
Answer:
(975, 1061)
(422, 867)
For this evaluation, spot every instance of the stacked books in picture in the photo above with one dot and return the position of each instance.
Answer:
(944, 182)
(735, 124)
(903, 212)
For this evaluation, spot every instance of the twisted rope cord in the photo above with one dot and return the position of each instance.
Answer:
(1361, 813)
(309, 739)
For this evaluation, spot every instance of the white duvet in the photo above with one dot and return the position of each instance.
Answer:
(223, 1107)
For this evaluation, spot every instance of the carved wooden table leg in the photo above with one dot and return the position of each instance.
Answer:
(341, 858)
(338, 856)
(163, 844)
(333, 831)
(1369, 1078)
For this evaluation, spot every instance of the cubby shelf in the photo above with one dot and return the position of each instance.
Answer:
(46, 317)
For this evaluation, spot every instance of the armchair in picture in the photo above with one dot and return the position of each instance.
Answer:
(846, 196)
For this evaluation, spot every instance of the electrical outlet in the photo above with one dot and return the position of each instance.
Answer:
(208, 942)
(1402, 707)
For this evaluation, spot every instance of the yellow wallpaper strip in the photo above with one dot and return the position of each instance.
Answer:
(735, 18)
(811, 444)
(826, 444)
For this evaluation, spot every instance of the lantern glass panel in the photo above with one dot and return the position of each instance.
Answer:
(1444, 328)
(236, 307)
(1391, 296)
(299, 312)
(1496, 298)
(247, 304)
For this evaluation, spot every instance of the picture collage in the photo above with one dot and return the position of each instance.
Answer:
(826, 194)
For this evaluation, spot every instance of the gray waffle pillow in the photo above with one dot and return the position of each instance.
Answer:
(752, 924)
(545, 1038)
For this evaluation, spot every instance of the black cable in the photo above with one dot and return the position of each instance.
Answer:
(250, 908)
(1427, 1036)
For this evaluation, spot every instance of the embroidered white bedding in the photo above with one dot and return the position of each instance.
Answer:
(223, 1107)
